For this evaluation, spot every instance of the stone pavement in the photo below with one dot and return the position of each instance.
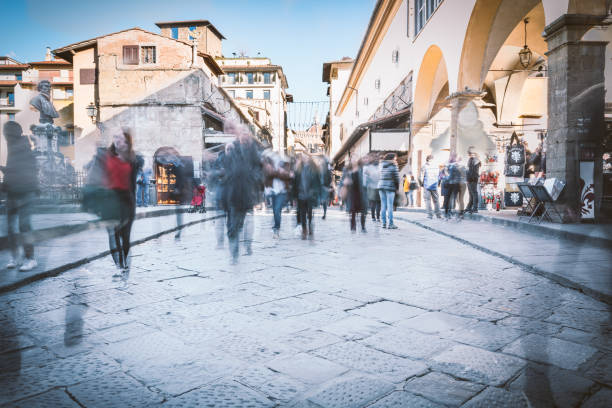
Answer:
(90, 241)
(573, 263)
(402, 318)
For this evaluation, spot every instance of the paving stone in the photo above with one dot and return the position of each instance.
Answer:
(50, 399)
(478, 365)
(437, 323)
(498, 398)
(601, 371)
(530, 325)
(550, 386)
(387, 312)
(486, 335)
(221, 395)
(351, 392)
(275, 386)
(113, 390)
(559, 352)
(251, 349)
(360, 357)
(408, 343)
(475, 312)
(601, 399)
(354, 327)
(402, 399)
(443, 388)
(307, 368)
(309, 339)
(583, 319)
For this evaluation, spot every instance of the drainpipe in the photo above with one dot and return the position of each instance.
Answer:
(194, 53)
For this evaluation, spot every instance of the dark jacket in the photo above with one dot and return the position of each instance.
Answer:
(307, 182)
(389, 176)
(21, 170)
(473, 170)
(358, 192)
(243, 176)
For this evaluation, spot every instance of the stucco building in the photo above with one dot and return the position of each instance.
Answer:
(260, 89)
(164, 89)
(438, 76)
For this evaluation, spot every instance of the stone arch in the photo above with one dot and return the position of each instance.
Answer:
(431, 86)
(491, 23)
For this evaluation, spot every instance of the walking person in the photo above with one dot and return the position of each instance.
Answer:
(429, 180)
(181, 192)
(358, 195)
(120, 167)
(472, 176)
(460, 203)
(371, 176)
(326, 184)
(308, 187)
(243, 187)
(412, 187)
(406, 188)
(452, 179)
(21, 186)
(387, 186)
(277, 177)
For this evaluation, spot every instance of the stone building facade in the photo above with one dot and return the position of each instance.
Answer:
(438, 76)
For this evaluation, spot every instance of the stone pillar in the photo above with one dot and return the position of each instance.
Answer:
(458, 101)
(576, 99)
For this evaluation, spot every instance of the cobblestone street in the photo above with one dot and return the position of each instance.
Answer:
(387, 318)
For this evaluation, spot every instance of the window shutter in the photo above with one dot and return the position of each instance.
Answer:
(130, 54)
(87, 76)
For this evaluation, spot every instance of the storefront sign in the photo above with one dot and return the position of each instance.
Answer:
(390, 141)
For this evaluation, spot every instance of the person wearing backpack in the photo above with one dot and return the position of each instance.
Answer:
(473, 174)
(452, 179)
(412, 187)
(388, 184)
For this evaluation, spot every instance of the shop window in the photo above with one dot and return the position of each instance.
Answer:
(266, 95)
(148, 54)
(174, 32)
(249, 94)
(130, 55)
(267, 78)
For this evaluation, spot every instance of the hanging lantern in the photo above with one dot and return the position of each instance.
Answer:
(92, 112)
(525, 53)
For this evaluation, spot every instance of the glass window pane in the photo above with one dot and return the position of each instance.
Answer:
(267, 78)
(267, 95)
(175, 33)
(249, 94)
(249, 77)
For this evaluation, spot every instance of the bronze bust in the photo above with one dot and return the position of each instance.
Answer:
(42, 103)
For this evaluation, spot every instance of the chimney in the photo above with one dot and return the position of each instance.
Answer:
(48, 54)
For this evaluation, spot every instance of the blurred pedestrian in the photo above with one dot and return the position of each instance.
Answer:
(406, 188)
(371, 176)
(326, 184)
(472, 177)
(387, 186)
(277, 179)
(143, 179)
(117, 167)
(358, 195)
(459, 198)
(429, 180)
(412, 187)
(308, 186)
(451, 179)
(181, 190)
(243, 187)
(21, 187)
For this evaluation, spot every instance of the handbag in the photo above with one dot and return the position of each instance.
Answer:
(96, 198)
(515, 151)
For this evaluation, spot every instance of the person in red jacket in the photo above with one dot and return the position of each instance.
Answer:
(120, 178)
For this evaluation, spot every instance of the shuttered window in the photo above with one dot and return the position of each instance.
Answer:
(87, 76)
(130, 54)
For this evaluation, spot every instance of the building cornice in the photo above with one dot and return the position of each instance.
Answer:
(383, 15)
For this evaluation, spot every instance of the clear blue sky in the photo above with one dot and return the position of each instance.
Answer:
(298, 34)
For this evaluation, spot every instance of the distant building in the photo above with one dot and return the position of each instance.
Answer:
(18, 85)
(259, 88)
(336, 74)
(163, 89)
(207, 37)
(310, 140)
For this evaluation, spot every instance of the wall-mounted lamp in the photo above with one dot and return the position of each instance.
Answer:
(92, 112)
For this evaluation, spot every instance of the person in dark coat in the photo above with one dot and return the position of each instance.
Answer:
(21, 187)
(244, 181)
(307, 183)
(358, 195)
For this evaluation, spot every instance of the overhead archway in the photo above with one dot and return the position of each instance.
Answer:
(431, 87)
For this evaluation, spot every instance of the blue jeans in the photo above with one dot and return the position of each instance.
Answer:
(278, 202)
(142, 195)
(386, 205)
